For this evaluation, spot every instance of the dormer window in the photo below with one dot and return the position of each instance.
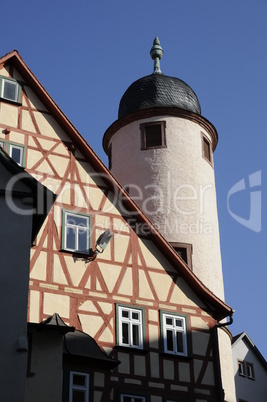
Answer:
(153, 135)
(10, 90)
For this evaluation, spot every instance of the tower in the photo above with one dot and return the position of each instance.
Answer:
(161, 150)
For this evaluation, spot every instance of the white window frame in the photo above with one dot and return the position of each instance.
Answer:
(241, 368)
(8, 81)
(134, 398)
(76, 387)
(21, 148)
(76, 228)
(174, 329)
(250, 371)
(131, 322)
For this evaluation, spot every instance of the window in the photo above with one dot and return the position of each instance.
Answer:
(174, 333)
(153, 135)
(16, 153)
(184, 250)
(10, 90)
(131, 398)
(206, 148)
(241, 368)
(246, 369)
(250, 371)
(130, 327)
(79, 387)
(76, 232)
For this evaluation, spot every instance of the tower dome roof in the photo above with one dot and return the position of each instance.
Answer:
(158, 90)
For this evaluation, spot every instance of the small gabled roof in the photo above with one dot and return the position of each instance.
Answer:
(43, 198)
(218, 307)
(243, 336)
(52, 323)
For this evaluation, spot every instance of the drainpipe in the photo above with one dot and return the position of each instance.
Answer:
(217, 367)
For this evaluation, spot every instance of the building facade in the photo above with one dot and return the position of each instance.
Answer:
(250, 370)
(139, 302)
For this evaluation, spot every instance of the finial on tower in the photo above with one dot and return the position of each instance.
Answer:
(156, 53)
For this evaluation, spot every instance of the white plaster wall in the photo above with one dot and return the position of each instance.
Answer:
(176, 189)
(227, 372)
(247, 389)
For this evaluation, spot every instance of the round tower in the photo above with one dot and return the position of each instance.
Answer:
(161, 150)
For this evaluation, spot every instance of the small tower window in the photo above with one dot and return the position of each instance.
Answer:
(153, 135)
(206, 148)
(184, 250)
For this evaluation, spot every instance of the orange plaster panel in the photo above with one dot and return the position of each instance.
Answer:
(8, 115)
(34, 306)
(162, 284)
(106, 336)
(16, 137)
(126, 286)
(49, 127)
(90, 323)
(58, 273)
(34, 157)
(39, 269)
(182, 294)
(44, 167)
(26, 123)
(56, 303)
(34, 101)
(76, 269)
(144, 288)
(110, 274)
(88, 306)
(120, 247)
(59, 163)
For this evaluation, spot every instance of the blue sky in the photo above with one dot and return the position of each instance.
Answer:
(86, 54)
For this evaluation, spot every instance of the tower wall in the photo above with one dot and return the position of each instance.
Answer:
(175, 187)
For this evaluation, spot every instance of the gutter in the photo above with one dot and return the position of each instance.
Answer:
(227, 323)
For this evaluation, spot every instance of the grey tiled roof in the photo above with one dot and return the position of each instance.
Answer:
(158, 90)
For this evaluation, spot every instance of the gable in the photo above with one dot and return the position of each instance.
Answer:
(60, 158)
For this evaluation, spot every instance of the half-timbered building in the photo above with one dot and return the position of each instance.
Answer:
(144, 326)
